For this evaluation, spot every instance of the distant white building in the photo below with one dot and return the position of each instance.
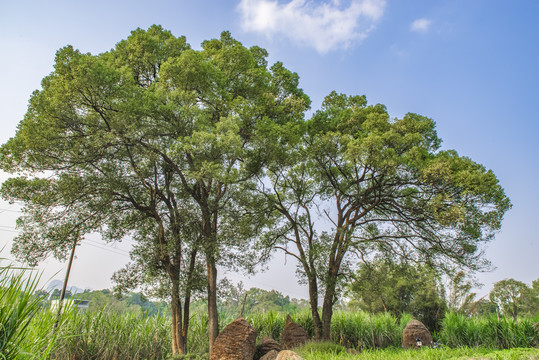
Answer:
(80, 305)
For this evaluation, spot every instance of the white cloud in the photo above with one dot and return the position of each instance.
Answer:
(421, 25)
(324, 26)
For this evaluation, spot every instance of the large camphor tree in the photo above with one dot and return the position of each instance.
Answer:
(158, 141)
(381, 188)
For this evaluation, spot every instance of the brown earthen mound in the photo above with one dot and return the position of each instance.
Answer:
(266, 346)
(293, 334)
(413, 331)
(236, 342)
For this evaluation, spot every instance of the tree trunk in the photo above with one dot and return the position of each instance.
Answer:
(187, 300)
(329, 299)
(313, 300)
(327, 313)
(383, 304)
(209, 228)
(185, 329)
(213, 315)
(179, 335)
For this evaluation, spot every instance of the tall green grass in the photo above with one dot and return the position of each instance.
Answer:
(108, 335)
(270, 324)
(489, 331)
(361, 330)
(351, 329)
(22, 335)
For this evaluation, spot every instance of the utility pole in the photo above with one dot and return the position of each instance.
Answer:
(64, 286)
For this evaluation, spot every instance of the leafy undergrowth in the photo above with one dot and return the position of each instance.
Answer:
(328, 351)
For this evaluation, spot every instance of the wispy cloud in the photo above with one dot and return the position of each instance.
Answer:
(421, 25)
(325, 26)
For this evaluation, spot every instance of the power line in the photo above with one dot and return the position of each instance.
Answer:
(8, 227)
(88, 242)
(109, 250)
(9, 210)
(95, 243)
(108, 246)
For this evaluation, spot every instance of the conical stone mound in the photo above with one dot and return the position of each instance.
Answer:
(293, 334)
(237, 341)
(413, 331)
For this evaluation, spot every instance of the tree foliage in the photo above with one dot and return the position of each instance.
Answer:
(196, 153)
(385, 189)
(153, 140)
(399, 288)
(460, 298)
(514, 298)
(234, 299)
(132, 303)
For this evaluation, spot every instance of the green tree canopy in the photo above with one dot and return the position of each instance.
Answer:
(515, 298)
(385, 189)
(155, 140)
(399, 288)
(195, 153)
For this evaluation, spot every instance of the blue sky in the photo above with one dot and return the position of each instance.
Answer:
(472, 66)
